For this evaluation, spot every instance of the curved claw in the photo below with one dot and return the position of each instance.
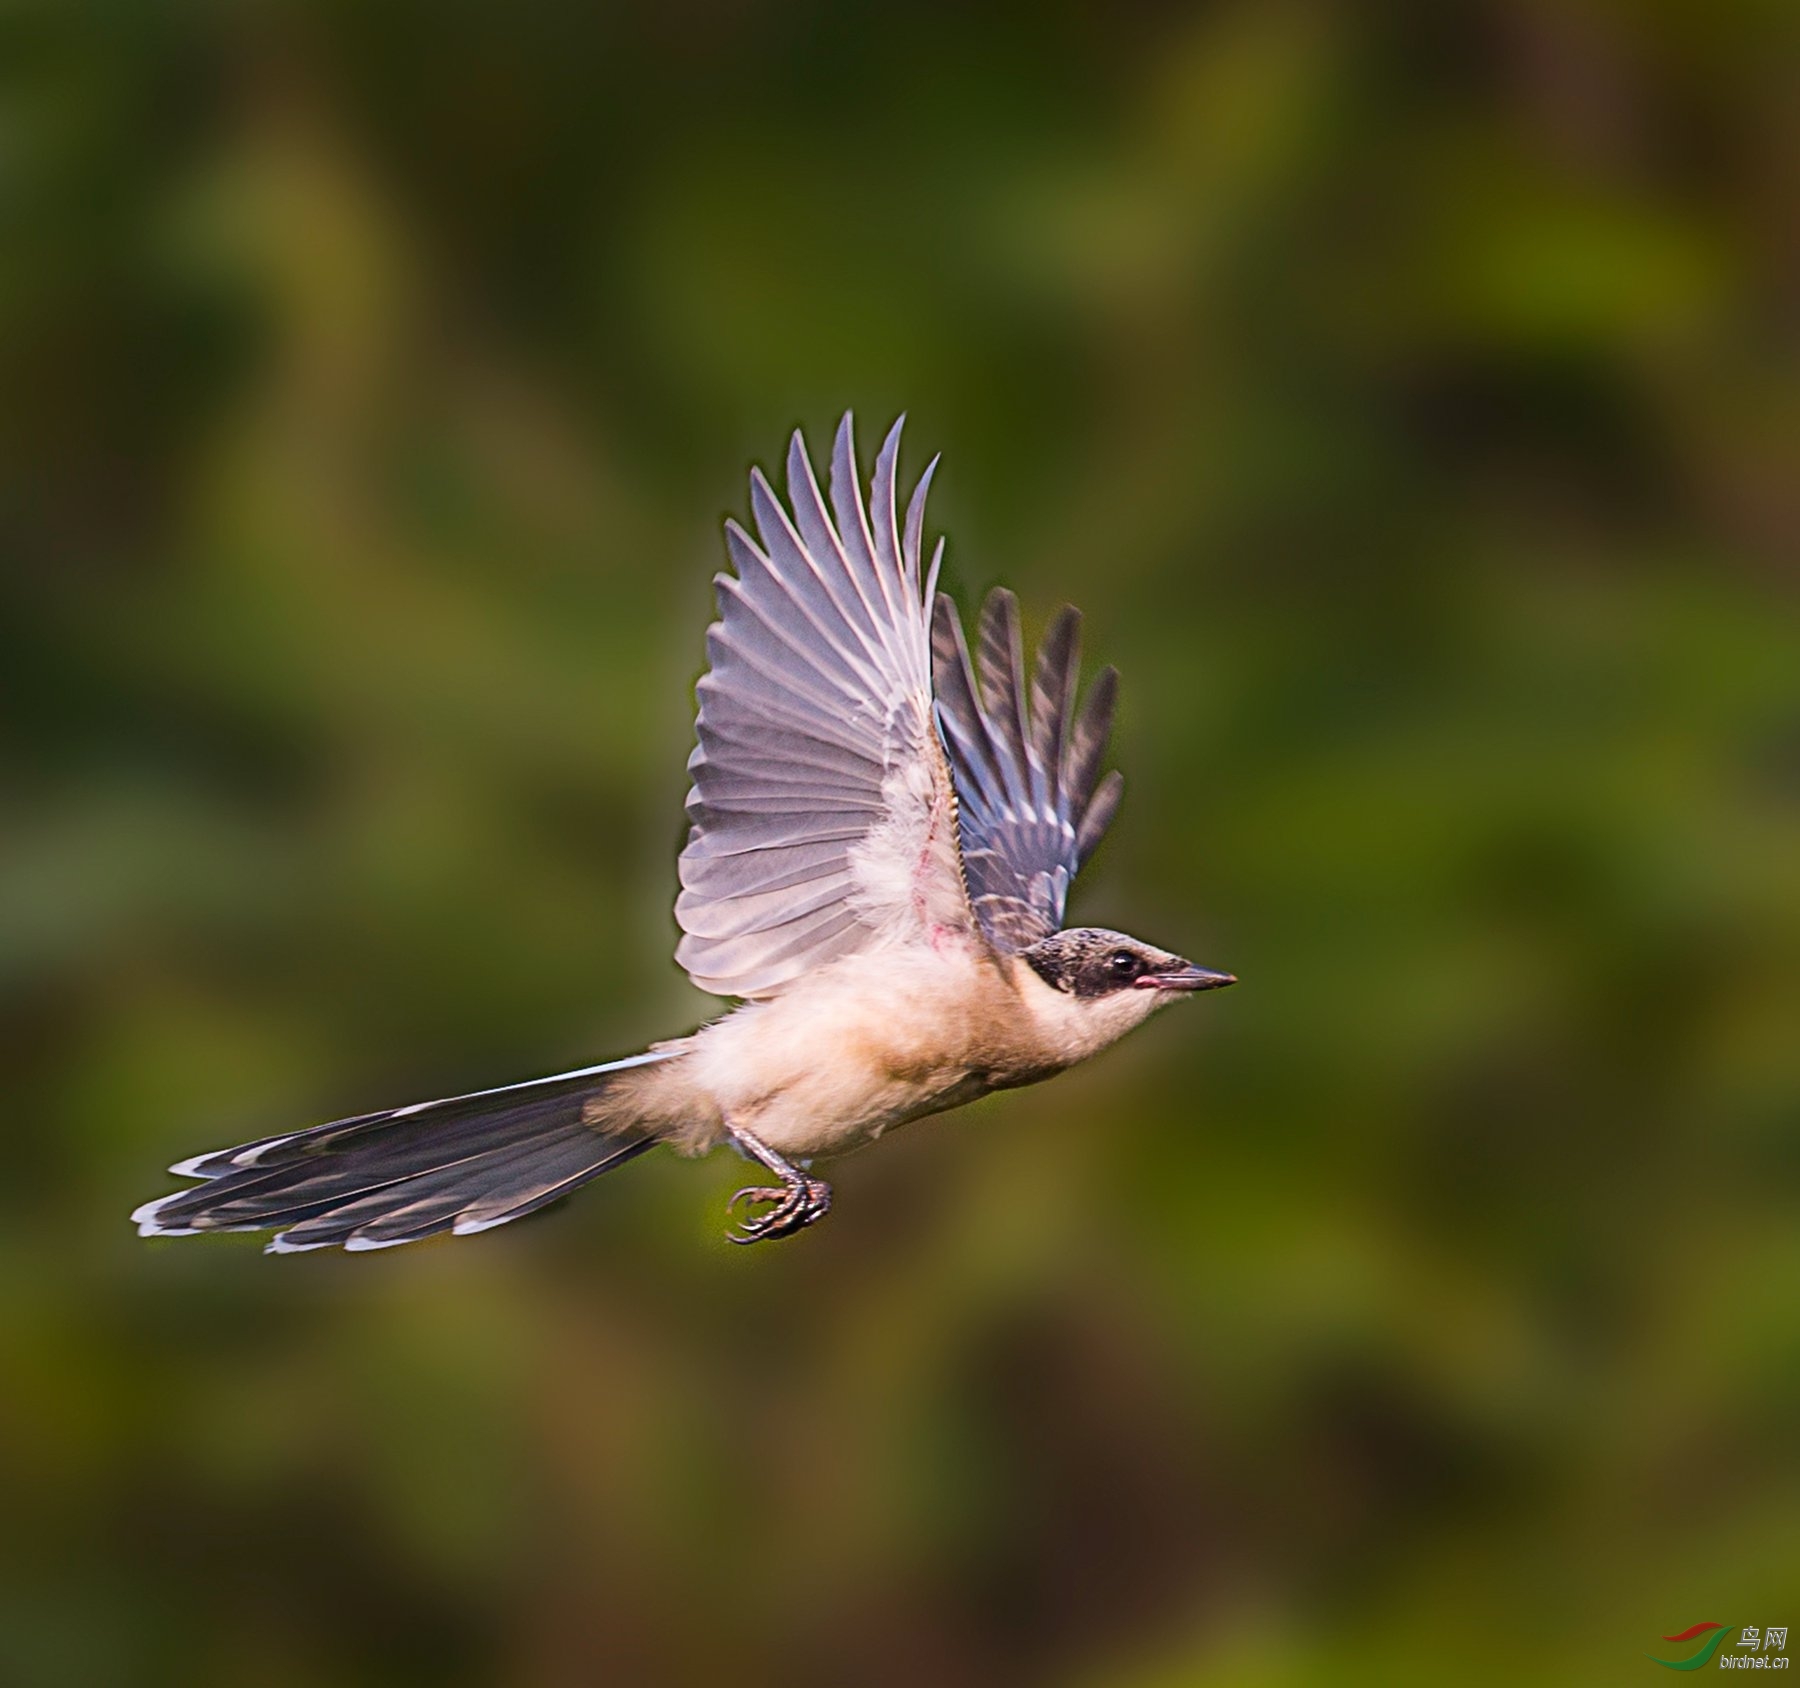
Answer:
(796, 1206)
(755, 1226)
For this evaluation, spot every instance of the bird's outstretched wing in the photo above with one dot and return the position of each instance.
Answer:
(1026, 764)
(823, 812)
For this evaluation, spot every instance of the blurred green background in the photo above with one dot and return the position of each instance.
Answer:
(1409, 394)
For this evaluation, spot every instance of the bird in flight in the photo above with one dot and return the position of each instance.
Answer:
(884, 828)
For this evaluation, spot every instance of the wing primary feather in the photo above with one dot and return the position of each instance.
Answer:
(853, 523)
(999, 664)
(798, 564)
(937, 563)
(783, 751)
(1098, 815)
(1025, 764)
(960, 703)
(735, 667)
(757, 632)
(818, 733)
(1053, 694)
(912, 547)
(829, 562)
(882, 518)
(1087, 740)
(757, 567)
(810, 515)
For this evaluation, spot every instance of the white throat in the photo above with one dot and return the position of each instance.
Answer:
(1070, 1028)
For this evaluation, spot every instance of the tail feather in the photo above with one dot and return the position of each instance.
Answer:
(461, 1164)
(430, 1203)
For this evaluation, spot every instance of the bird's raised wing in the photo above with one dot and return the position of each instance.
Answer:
(823, 813)
(1030, 800)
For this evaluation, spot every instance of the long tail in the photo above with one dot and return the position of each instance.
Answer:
(463, 1164)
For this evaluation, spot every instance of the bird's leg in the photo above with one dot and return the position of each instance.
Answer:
(796, 1204)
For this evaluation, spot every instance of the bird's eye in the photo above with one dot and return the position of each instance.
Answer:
(1125, 965)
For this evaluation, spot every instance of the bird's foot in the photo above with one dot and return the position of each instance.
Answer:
(796, 1204)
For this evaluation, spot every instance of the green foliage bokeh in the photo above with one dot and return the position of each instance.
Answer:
(1409, 396)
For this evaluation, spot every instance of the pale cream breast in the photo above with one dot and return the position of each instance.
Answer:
(875, 1040)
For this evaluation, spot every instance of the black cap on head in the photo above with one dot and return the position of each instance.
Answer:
(1090, 961)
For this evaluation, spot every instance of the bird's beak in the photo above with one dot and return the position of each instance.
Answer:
(1186, 977)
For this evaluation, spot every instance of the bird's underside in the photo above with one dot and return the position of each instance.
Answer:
(884, 825)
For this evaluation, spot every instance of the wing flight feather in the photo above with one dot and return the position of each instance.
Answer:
(1026, 763)
(822, 808)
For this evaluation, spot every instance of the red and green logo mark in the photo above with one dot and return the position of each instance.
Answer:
(1714, 1633)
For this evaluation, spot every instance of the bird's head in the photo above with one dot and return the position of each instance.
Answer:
(1103, 983)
